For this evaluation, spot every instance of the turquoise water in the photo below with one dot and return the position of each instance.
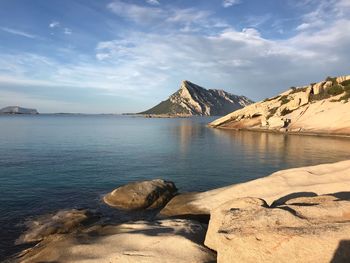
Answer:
(52, 162)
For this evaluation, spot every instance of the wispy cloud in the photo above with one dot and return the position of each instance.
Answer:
(228, 3)
(153, 2)
(58, 26)
(18, 32)
(257, 20)
(325, 12)
(227, 58)
(54, 24)
(164, 44)
(136, 13)
(168, 18)
(67, 31)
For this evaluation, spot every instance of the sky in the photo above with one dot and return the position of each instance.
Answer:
(117, 56)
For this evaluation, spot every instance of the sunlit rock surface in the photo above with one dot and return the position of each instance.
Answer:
(159, 241)
(192, 99)
(319, 179)
(141, 195)
(304, 229)
(319, 108)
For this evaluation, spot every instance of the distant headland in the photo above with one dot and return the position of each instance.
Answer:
(18, 110)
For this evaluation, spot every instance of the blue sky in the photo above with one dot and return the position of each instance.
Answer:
(114, 56)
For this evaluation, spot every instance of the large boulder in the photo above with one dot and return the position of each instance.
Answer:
(328, 84)
(64, 221)
(309, 229)
(141, 195)
(318, 88)
(276, 122)
(160, 241)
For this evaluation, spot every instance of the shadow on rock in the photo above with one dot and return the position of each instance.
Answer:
(342, 254)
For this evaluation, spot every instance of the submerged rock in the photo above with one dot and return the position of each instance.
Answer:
(141, 195)
(307, 229)
(64, 221)
(160, 241)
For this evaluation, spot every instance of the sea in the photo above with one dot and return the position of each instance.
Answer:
(53, 162)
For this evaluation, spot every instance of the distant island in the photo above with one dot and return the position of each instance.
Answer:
(17, 110)
(192, 99)
(319, 108)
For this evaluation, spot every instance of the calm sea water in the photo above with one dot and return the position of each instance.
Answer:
(51, 162)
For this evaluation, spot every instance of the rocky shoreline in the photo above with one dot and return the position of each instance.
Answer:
(316, 109)
(301, 213)
(284, 131)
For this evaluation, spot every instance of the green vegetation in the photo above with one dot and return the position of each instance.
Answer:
(166, 107)
(272, 112)
(347, 88)
(345, 97)
(273, 98)
(321, 96)
(345, 83)
(333, 79)
(284, 99)
(335, 90)
(285, 112)
(295, 90)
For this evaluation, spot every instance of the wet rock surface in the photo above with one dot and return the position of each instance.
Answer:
(64, 221)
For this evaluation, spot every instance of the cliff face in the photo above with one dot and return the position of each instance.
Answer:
(192, 99)
(317, 108)
(17, 110)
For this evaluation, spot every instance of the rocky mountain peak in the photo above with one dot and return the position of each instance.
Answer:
(192, 99)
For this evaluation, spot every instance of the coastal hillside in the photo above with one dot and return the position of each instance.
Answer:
(17, 110)
(192, 99)
(318, 108)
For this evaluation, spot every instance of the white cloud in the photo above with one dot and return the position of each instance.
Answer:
(244, 58)
(143, 64)
(167, 18)
(228, 3)
(153, 2)
(325, 12)
(188, 15)
(54, 24)
(67, 31)
(18, 32)
(136, 13)
(151, 65)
